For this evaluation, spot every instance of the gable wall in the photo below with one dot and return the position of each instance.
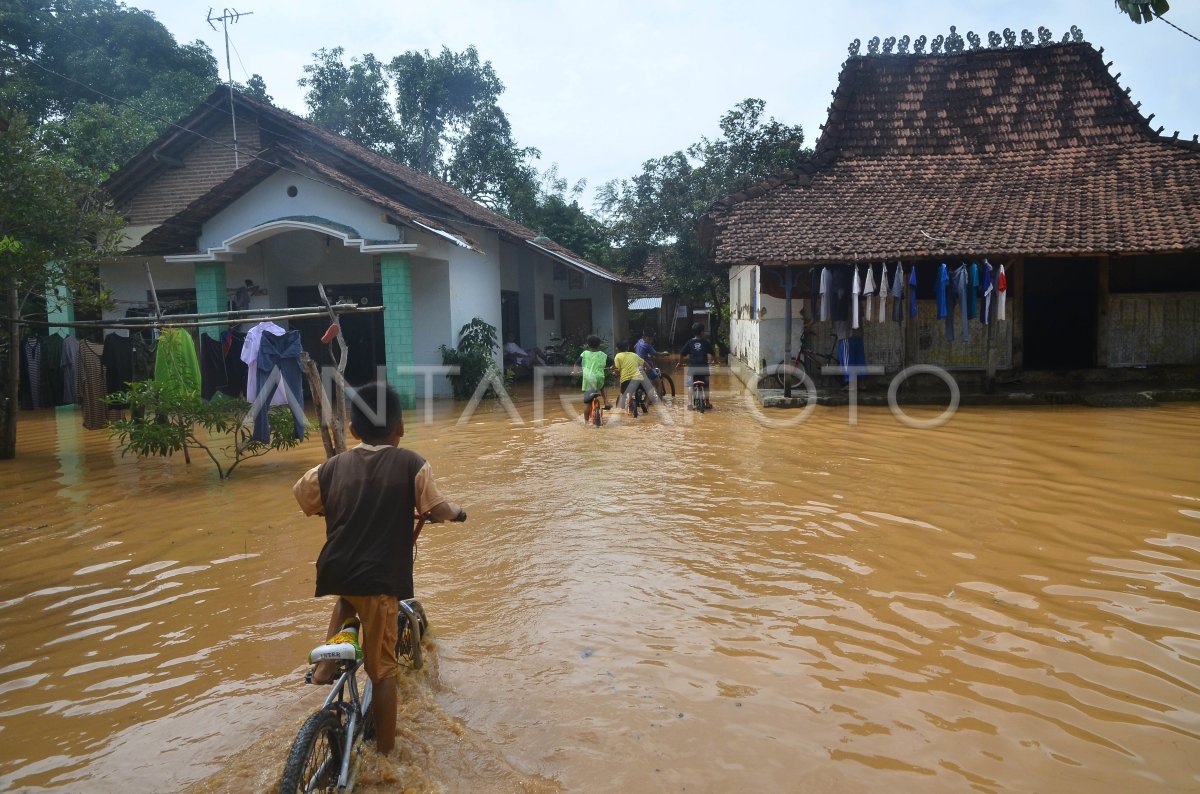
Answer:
(206, 164)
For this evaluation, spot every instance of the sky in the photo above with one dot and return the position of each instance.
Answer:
(600, 87)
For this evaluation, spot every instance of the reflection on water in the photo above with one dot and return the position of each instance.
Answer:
(1006, 603)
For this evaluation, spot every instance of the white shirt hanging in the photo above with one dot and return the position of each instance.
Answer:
(855, 291)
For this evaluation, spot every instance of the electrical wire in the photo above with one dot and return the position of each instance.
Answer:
(1181, 30)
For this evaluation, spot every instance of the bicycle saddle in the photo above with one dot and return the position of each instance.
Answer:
(337, 652)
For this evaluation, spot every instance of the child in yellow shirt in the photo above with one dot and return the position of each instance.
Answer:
(630, 368)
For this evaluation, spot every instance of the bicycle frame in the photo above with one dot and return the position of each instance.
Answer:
(358, 706)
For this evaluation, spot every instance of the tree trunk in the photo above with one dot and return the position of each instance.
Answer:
(8, 401)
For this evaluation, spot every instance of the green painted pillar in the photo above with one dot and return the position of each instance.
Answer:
(211, 294)
(396, 274)
(60, 307)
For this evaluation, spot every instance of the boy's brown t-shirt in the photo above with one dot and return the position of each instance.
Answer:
(369, 495)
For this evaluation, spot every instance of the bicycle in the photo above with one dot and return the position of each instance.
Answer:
(639, 401)
(806, 361)
(664, 379)
(698, 402)
(324, 755)
(593, 411)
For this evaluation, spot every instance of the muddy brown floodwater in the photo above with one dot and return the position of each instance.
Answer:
(1008, 603)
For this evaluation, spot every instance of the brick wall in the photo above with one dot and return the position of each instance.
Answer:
(208, 163)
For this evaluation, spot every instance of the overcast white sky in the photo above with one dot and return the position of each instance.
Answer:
(600, 87)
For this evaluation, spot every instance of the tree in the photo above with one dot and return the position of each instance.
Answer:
(63, 53)
(439, 115)
(350, 100)
(660, 208)
(1143, 10)
(97, 80)
(54, 230)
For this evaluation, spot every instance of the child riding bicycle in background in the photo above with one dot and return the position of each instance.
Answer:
(630, 370)
(368, 496)
(699, 354)
(644, 347)
(592, 363)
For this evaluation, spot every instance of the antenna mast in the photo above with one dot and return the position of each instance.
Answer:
(229, 15)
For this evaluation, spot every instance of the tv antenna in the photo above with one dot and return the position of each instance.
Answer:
(229, 15)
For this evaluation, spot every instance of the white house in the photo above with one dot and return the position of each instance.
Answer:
(293, 205)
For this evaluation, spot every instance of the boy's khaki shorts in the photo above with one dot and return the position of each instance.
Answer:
(379, 615)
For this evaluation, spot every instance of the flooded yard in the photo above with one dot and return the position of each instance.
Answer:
(1007, 603)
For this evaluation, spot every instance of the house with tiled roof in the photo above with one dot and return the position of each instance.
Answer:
(243, 191)
(1028, 155)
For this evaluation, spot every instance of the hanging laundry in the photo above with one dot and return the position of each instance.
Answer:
(898, 293)
(279, 359)
(212, 366)
(973, 292)
(912, 293)
(985, 313)
(855, 292)
(236, 371)
(52, 347)
(840, 300)
(884, 288)
(90, 387)
(118, 364)
(31, 372)
(176, 366)
(70, 362)
(939, 289)
(814, 293)
(1001, 293)
(826, 294)
(868, 292)
(957, 298)
(249, 355)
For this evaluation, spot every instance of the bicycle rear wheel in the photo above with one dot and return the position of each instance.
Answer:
(697, 398)
(316, 756)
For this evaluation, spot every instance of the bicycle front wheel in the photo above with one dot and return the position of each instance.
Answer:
(316, 757)
(668, 385)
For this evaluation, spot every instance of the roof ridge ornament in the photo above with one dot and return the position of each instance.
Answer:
(954, 43)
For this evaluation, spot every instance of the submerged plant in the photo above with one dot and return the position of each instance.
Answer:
(475, 358)
(164, 420)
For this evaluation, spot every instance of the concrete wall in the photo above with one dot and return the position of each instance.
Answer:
(269, 201)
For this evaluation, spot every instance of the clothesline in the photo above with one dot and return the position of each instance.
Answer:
(226, 318)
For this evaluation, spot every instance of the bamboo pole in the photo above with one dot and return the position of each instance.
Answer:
(318, 395)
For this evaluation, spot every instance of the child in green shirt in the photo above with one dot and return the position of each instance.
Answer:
(592, 363)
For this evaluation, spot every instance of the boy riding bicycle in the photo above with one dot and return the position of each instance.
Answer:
(644, 347)
(631, 372)
(368, 496)
(699, 353)
(593, 363)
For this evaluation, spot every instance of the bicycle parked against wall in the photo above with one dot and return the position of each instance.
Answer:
(324, 756)
(807, 361)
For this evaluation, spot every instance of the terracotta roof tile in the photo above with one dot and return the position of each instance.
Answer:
(997, 152)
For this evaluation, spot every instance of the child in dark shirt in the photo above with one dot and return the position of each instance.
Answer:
(698, 352)
(369, 495)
